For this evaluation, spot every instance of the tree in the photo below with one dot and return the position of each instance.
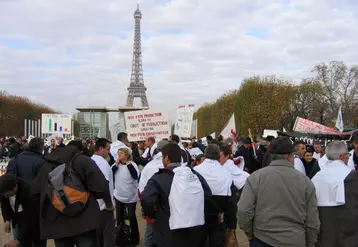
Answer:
(340, 88)
(14, 110)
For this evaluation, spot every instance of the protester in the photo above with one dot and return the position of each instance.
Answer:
(126, 176)
(238, 176)
(221, 216)
(278, 205)
(31, 161)
(81, 228)
(317, 150)
(18, 209)
(336, 190)
(149, 152)
(122, 142)
(309, 162)
(186, 157)
(148, 171)
(353, 155)
(246, 151)
(299, 153)
(106, 232)
(156, 204)
(198, 160)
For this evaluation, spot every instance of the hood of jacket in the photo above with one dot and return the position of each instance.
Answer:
(62, 155)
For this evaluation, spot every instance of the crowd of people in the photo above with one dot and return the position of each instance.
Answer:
(192, 194)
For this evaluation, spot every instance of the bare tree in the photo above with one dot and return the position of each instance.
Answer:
(340, 88)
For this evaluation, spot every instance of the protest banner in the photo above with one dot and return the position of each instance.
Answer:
(148, 123)
(184, 120)
(308, 126)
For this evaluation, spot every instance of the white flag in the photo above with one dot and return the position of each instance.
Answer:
(339, 122)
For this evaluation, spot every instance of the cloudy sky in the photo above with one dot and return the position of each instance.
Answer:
(78, 52)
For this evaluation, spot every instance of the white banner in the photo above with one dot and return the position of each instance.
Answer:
(148, 123)
(308, 126)
(228, 130)
(56, 124)
(184, 120)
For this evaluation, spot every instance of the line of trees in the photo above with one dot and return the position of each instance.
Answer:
(14, 110)
(270, 103)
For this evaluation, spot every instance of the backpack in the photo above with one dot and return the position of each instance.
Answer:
(123, 235)
(66, 190)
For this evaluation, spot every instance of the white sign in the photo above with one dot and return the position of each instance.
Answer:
(184, 120)
(148, 123)
(56, 124)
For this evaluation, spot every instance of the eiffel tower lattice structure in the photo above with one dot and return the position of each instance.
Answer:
(136, 88)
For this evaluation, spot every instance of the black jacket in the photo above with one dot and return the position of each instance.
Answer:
(29, 165)
(26, 220)
(339, 224)
(309, 166)
(55, 225)
(155, 203)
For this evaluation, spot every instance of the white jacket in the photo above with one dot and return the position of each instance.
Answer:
(149, 170)
(238, 176)
(126, 188)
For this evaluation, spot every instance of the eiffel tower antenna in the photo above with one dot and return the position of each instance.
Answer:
(136, 87)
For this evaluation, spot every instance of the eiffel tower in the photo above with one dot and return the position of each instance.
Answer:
(136, 88)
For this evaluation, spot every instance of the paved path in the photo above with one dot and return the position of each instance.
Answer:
(4, 237)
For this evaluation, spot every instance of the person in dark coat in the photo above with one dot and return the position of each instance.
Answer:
(14, 152)
(80, 229)
(18, 208)
(246, 151)
(155, 203)
(336, 190)
(309, 162)
(30, 162)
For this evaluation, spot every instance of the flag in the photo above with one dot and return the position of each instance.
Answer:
(339, 122)
(229, 131)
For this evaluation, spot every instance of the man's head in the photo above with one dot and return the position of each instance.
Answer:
(14, 149)
(141, 145)
(8, 185)
(149, 142)
(59, 140)
(36, 145)
(337, 150)
(102, 147)
(282, 149)
(300, 148)
(209, 139)
(247, 142)
(355, 143)
(175, 139)
(53, 142)
(268, 140)
(212, 152)
(171, 154)
(162, 144)
(317, 147)
(309, 154)
(123, 137)
(225, 153)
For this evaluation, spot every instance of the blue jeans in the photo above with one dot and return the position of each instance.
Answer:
(148, 236)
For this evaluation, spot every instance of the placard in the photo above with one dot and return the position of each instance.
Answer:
(148, 123)
(56, 124)
(184, 120)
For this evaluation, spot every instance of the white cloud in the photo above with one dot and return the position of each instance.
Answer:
(79, 52)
